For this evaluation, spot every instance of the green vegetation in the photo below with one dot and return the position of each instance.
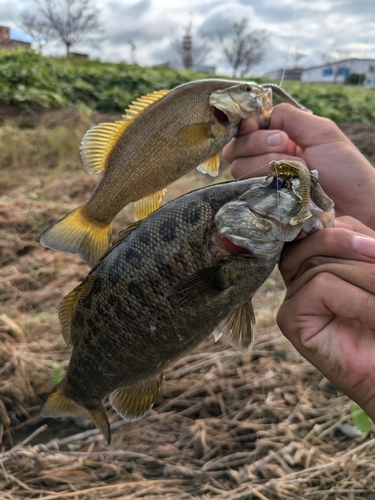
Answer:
(28, 79)
(360, 418)
(31, 80)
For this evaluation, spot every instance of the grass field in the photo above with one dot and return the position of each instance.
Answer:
(263, 426)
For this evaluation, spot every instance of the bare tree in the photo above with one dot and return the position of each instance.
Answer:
(192, 50)
(71, 21)
(243, 48)
(39, 29)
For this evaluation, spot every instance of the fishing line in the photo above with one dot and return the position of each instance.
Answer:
(287, 52)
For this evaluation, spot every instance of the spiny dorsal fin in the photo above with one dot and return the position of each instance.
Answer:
(142, 103)
(132, 403)
(99, 141)
(238, 328)
(210, 166)
(145, 206)
(124, 233)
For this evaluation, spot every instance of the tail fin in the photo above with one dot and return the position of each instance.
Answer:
(75, 233)
(58, 405)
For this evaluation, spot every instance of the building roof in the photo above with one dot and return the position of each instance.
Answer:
(367, 59)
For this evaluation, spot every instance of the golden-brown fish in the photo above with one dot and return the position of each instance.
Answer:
(189, 268)
(162, 137)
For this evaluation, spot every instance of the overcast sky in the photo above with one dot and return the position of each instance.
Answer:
(314, 27)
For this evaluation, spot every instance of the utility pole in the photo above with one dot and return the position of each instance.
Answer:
(187, 46)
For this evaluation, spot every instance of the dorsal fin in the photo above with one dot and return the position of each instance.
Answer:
(68, 308)
(99, 141)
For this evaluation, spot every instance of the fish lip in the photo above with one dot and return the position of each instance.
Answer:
(230, 243)
(237, 242)
(275, 222)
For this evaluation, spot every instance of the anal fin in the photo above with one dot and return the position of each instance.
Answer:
(144, 207)
(239, 327)
(210, 166)
(133, 402)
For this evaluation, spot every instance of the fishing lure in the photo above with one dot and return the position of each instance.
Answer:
(289, 168)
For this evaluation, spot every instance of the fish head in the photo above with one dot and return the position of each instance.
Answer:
(257, 223)
(242, 101)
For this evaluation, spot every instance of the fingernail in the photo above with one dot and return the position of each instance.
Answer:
(274, 139)
(364, 245)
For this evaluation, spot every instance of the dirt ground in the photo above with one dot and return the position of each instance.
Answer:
(262, 426)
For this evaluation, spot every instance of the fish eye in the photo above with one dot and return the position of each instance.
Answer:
(278, 183)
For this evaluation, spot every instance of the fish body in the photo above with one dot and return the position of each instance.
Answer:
(171, 280)
(163, 136)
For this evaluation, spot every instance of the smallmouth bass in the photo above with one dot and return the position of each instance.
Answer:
(189, 269)
(162, 136)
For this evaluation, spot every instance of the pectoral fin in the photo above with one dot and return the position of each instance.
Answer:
(132, 403)
(144, 207)
(193, 135)
(210, 166)
(204, 283)
(238, 328)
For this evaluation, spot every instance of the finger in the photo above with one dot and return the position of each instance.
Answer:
(359, 274)
(355, 225)
(331, 322)
(324, 296)
(332, 242)
(257, 165)
(257, 143)
(304, 128)
(247, 126)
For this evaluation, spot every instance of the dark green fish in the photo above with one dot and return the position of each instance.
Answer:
(187, 270)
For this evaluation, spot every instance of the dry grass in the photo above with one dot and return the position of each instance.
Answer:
(263, 426)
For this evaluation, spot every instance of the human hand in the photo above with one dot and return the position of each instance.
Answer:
(344, 173)
(328, 310)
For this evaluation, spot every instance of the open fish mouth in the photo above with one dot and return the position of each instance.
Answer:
(234, 249)
(220, 116)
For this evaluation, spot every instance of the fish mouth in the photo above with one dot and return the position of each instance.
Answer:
(230, 244)
(220, 116)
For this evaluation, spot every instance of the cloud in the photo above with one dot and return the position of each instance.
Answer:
(320, 27)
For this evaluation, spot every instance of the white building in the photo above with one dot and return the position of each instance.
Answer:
(336, 72)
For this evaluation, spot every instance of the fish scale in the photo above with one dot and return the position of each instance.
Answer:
(167, 283)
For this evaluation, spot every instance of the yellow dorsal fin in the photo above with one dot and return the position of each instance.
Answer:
(210, 166)
(99, 141)
(142, 208)
(142, 103)
(97, 144)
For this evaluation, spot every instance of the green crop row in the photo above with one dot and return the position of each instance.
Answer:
(29, 79)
